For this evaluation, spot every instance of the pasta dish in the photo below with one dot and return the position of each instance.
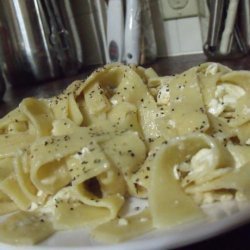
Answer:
(76, 159)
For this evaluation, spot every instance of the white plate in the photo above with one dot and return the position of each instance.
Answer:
(221, 218)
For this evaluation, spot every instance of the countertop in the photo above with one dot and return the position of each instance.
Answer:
(234, 239)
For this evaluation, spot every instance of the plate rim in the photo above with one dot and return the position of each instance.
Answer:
(201, 230)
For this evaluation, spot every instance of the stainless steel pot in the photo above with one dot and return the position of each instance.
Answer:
(39, 40)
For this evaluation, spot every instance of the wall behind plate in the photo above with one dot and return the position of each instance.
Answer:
(183, 29)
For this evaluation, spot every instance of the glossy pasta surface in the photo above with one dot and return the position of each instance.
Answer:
(76, 159)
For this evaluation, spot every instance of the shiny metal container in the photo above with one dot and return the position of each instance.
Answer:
(39, 40)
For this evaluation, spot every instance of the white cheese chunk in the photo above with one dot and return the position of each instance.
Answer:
(33, 206)
(163, 95)
(248, 141)
(122, 222)
(226, 97)
(212, 69)
(202, 160)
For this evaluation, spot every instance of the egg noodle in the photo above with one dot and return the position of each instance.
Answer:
(75, 159)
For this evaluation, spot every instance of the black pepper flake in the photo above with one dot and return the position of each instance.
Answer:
(202, 110)
(42, 220)
(66, 137)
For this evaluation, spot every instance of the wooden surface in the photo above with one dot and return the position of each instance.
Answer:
(235, 239)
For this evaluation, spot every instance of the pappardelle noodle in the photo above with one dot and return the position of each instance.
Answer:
(76, 159)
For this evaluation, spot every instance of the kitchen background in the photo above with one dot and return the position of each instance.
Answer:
(180, 19)
(42, 40)
(182, 26)
(179, 33)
